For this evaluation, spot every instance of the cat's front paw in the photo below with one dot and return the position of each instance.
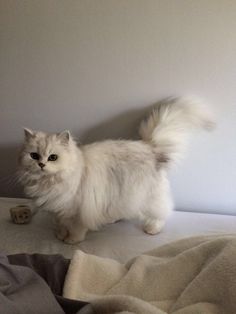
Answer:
(61, 233)
(70, 239)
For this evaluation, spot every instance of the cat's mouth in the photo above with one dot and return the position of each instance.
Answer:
(42, 171)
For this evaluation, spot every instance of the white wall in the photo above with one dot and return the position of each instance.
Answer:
(93, 66)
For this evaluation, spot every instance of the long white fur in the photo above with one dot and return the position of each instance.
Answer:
(92, 185)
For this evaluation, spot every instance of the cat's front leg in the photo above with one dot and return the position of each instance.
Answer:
(60, 229)
(76, 234)
(69, 230)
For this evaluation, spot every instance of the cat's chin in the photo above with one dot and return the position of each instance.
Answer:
(43, 173)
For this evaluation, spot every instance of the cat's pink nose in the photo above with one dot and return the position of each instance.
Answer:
(41, 165)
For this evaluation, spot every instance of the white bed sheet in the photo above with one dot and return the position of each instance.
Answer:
(121, 240)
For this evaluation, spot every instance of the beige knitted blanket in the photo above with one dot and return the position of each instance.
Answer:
(191, 276)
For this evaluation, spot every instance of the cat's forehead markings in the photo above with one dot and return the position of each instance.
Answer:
(43, 143)
(49, 144)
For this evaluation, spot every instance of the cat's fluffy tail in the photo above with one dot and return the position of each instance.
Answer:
(170, 123)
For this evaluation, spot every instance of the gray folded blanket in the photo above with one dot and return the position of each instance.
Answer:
(194, 275)
(32, 284)
(23, 291)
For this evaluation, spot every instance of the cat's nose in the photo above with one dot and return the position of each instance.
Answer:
(41, 165)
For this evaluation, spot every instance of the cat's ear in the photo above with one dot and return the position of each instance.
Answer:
(64, 136)
(28, 133)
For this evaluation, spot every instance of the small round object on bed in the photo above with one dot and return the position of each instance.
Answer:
(20, 214)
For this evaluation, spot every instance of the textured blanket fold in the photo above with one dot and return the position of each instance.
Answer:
(194, 275)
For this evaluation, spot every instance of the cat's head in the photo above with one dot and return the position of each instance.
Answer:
(45, 154)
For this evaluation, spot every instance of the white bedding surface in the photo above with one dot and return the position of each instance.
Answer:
(120, 241)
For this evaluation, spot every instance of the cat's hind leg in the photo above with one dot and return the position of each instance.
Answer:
(156, 213)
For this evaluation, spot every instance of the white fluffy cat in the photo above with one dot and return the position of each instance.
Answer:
(92, 185)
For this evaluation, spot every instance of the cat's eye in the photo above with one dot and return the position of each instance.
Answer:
(35, 156)
(52, 157)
